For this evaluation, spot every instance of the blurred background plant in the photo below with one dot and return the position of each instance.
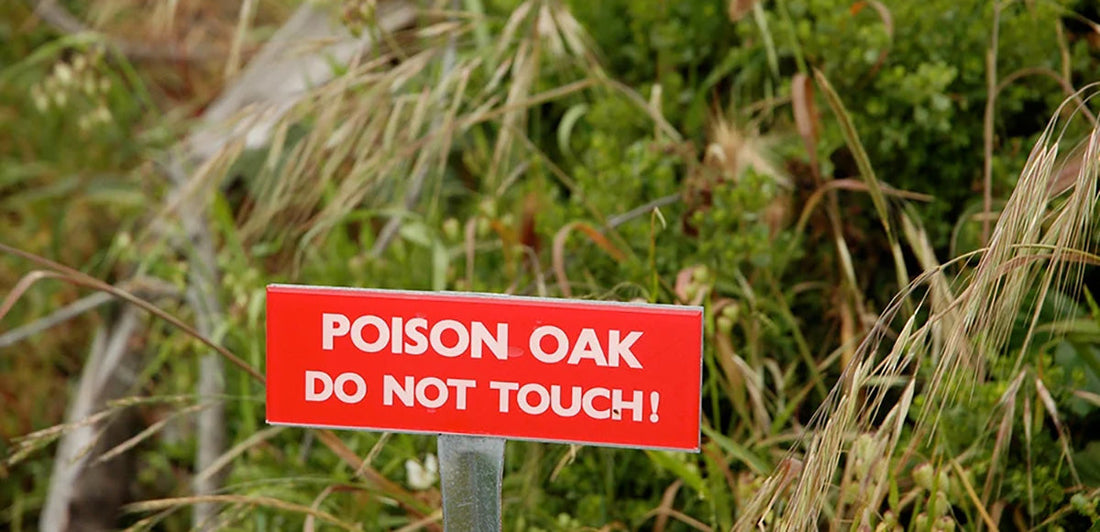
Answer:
(789, 165)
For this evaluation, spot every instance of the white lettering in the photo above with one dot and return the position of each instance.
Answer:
(415, 336)
(574, 403)
(329, 387)
(506, 389)
(480, 337)
(587, 346)
(536, 344)
(460, 386)
(597, 403)
(390, 386)
(588, 403)
(395, 335)
(524, 398)
(414, 329)
(360, 388)
(333, 325)
(357, 333)
(618, 405)
(430, 392)
(621, 349)
(440, 392)
(437, 338)
(312, 378)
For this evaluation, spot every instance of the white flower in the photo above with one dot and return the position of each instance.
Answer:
(102, 114)
(422, 477)
(63, 73)
(41, 102)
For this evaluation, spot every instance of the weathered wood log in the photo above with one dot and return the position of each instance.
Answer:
(84, 494)
(274, 80)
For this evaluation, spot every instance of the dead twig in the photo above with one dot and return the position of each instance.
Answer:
(61, 315)
(80, 278)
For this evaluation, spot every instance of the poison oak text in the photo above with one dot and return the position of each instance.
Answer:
(452, 338)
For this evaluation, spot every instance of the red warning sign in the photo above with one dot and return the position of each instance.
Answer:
(514, 367)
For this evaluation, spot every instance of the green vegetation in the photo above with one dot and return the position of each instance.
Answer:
(892, 241)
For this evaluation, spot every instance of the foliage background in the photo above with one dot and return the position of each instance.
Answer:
(560, 120)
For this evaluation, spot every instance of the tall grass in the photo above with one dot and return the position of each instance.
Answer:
(1038, 249)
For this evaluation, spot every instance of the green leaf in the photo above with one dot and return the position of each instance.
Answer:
(688, 473)
(757, 464)
(440, 260)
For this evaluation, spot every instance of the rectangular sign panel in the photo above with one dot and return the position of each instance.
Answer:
(523, 368)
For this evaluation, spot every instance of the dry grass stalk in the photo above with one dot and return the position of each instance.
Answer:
(252, 500)
(1039, 243)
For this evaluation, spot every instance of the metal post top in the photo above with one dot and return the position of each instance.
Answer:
(471, 469)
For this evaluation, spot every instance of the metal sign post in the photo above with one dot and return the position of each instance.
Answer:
(471, 469)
